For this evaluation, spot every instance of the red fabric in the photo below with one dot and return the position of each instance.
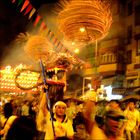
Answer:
(29, 8)
(37, 20)
(26, 3)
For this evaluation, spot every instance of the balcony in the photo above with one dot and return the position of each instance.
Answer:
(111, 69)
(110, 64)
(109, 58)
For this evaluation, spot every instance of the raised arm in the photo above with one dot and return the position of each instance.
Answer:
(42, 113)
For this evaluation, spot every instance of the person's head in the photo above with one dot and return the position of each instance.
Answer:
(68, 102)
(114, 104)
(25, 102)
(59, 108)
(131, 105)
(23, 128)
(8, 110)
(113, 122)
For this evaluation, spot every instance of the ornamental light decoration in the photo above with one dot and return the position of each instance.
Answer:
(84, 20)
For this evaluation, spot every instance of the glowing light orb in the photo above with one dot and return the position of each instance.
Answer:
(84, 20)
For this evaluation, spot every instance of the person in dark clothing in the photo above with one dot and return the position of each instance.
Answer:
(79, 119)
(32, 110)
(23, 128)
(9, 118)
(8, 110)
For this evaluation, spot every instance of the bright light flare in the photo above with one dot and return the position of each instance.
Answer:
(76, 51)
(73, 43)
(82, 29)
(110, 96)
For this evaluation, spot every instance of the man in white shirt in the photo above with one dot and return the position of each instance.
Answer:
(133, 121)
(62, 125)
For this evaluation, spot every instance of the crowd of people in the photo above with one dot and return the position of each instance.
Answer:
(69, 120)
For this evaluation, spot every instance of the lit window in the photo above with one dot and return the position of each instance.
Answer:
(131, 82)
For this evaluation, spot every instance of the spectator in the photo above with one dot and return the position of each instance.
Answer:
(23, 128)
(114, 104)
(9, 118)
(25, 109)
(133, 121)
(111, 129)
(33, 109)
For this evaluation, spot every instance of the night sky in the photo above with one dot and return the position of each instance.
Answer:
(12, 22)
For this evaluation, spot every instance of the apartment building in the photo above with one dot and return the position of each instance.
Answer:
(118, 54)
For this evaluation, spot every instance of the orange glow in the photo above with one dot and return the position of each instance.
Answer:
(73, 43)
(7, 79)
(93, 16)
(82, 29)
(76, 51)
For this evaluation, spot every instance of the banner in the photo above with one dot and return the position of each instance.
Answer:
(32, 12)
(42, 26)
(20, 1)
(37, 20)
(29, 8)
(26, 3)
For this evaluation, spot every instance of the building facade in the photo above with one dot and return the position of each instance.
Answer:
(117, 57)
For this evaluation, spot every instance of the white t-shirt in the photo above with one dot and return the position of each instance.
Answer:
(61, 128)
